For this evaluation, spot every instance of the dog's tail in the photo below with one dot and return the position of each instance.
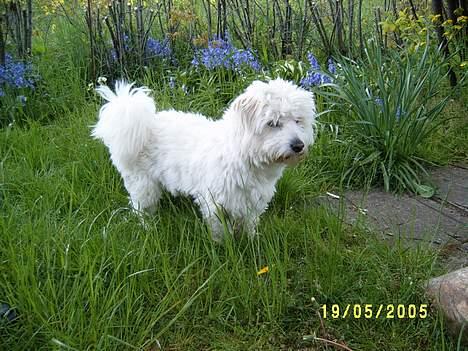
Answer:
(125, 122)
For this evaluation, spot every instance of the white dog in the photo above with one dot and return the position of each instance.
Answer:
(229, 166)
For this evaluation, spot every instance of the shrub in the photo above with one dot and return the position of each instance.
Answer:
(387, 99)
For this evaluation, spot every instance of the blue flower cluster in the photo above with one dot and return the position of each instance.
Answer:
(154, 48)
(222, 53)
(313, 76)
(16, 74)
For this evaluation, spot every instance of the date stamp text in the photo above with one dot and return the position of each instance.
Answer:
(371, 311)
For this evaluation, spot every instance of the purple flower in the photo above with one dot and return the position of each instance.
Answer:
(311, 79)
(113, 55)
(314, 77)
(16, 74)
(379, 101)
(156, 48)
(172, 82)
(326, 79)
(331, 66)
(313, 61)
(245, 57)
(398, 113)
(222, 53)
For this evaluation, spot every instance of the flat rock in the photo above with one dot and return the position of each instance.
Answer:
(441, 221)
(407, 219)
(449, 293)
(452, 185)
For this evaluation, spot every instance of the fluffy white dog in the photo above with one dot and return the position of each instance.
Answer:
(229, 166)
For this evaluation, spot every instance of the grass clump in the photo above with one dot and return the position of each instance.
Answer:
(390, 112)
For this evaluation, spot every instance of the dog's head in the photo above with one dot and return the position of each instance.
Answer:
(276, 120)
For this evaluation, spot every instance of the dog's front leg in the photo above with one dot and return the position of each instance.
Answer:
(217, 227)
(250, 226)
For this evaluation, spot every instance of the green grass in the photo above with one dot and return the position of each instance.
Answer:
(82, 273)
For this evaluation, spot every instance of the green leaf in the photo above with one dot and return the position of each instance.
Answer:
(425, 191)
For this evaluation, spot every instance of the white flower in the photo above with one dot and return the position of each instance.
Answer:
(102, 80)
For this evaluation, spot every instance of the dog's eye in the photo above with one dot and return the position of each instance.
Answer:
(273, 124)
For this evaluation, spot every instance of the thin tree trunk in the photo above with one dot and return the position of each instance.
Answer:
(359, 21)
(89, 22)
(29, 27)
(287, 35)
(3, 37)
(438, 9)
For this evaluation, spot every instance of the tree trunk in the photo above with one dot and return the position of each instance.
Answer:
(438, 9)
(286, 47)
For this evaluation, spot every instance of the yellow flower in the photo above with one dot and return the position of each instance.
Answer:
(263, 270)
(435, 18)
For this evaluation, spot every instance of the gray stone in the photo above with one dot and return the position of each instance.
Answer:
(452, 184)
(441, 221)
(449, 293)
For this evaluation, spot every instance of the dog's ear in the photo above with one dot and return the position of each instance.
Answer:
(250, 103)
(247, 105)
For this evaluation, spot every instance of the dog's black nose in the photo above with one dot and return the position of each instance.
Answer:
(297, 145)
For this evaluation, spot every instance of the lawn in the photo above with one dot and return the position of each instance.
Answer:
(81, 272)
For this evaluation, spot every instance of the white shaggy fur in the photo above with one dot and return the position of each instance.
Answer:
(230, 165)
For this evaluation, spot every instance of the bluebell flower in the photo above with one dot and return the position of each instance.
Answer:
(195, 62)
(172, 82)
(326, 79)
(331, 66)
(16, 74)
(113, 51)
(313, 76)
(126, 40)
(245, 57)
(399, 113)
(222, 53)
(113, 55)
(156, 48)
(379, 101)
(313, 61)
(311, 79)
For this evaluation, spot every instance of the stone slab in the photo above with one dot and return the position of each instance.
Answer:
(421, 219)
(452, 185)
(441, 221)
